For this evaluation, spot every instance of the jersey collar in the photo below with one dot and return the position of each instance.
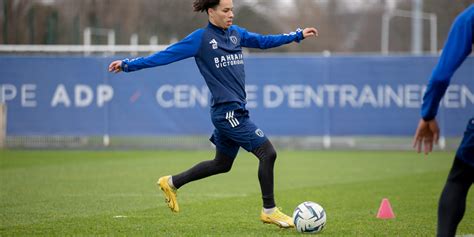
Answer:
(216, 29)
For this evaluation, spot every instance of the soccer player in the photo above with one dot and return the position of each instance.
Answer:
(452, 203)
(217, 50)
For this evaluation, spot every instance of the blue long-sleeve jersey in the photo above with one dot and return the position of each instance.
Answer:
(218, 55)
(457, 47)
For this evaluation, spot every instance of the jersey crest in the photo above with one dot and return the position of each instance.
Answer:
(233, 39)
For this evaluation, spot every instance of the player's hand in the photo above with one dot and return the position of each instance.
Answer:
(310, 32)
(115, 66)
(426, 135)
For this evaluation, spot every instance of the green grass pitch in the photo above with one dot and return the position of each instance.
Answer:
(114, 193)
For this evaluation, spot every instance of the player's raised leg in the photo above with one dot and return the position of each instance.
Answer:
(222, 163)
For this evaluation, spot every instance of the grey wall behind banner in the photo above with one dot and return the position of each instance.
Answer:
(297, 95)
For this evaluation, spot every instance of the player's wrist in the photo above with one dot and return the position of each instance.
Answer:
(124, 65)
(299, 34)
(427, 118)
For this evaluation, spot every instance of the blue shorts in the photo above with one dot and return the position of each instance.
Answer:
(466, 149)
(234, 129)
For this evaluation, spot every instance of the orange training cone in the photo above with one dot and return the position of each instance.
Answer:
(385, 210)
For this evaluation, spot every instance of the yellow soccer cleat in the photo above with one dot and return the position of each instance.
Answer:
(169, 192)
(278, 218)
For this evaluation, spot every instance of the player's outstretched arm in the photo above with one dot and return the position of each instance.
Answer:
(255, 40)
(426, 135)
(115, 66)
(185, 48)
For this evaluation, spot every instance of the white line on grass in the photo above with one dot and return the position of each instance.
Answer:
(110, 195)
(218, 195)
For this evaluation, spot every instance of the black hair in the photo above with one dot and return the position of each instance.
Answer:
(204, 5)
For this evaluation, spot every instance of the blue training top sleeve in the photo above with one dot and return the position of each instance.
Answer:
(254, 40)
(188, 47)
(457, 47)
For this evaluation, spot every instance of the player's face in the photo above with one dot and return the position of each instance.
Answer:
(222, 15)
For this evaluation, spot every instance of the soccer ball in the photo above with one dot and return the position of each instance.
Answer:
(309, 217)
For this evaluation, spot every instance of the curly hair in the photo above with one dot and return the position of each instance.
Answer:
(204, 5)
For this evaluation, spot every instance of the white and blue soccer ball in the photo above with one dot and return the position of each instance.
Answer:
(309, 217)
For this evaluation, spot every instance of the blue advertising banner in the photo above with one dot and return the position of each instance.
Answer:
(300, 95)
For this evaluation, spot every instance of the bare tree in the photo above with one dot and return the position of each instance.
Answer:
(344, 25)
(15, 16)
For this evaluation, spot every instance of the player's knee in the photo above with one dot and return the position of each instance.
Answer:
(272, 155)
(266, 152)
(223, 163)
(269, 155)
(224, 168)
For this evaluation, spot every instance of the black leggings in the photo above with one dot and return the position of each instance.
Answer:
(452, 203)
(222, 163)
(266, 155)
